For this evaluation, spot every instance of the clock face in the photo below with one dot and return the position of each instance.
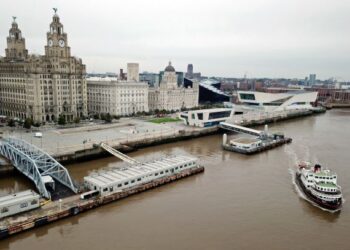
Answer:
(61, 43)
(50, 43)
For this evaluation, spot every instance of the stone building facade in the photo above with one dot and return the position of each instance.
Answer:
(168, 96)
(133, 72)
(121, 98)
(42, 87)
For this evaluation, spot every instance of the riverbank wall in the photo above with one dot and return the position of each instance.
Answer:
(91, 150)
(142, 141)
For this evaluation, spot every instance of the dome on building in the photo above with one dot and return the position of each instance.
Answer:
(169, 68)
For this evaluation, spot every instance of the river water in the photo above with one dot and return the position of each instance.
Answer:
(240, 202)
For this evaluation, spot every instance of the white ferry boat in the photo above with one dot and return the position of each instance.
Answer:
(319, 185)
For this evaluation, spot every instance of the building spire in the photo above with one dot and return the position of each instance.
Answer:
(55, 10)
(16, 48)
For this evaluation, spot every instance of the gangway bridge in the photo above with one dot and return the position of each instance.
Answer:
(240, 129)
(118, 154)
(36, 164)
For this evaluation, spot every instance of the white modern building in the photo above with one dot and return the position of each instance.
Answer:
(133, 72)
(168, 96)
(206, 117)
(109, 95)
(277, 102)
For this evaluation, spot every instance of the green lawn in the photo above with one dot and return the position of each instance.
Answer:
(164, 119)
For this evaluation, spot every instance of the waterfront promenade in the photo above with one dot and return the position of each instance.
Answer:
(80, 142)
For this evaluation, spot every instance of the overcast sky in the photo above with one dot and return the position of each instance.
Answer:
(260, 38)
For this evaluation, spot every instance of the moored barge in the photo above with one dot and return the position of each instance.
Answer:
(152, 174)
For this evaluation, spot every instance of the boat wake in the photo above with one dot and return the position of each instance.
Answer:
(303, 196)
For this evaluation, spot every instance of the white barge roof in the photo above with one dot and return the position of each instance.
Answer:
(105, 178)
(18, 197)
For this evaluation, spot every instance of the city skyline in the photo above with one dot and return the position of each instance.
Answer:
(222, 39)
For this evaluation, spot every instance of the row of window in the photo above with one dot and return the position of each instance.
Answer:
(326, 189)
(325, 177)
(11, 80)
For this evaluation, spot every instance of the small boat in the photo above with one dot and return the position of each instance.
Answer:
(319, 185)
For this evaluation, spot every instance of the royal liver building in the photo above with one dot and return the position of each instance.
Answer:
(42, 87)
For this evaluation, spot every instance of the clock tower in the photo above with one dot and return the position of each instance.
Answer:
(57, 42)
(16, 46)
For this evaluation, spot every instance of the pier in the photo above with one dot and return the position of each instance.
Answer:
(257, 142)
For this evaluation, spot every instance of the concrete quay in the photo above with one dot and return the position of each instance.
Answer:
(81, 143)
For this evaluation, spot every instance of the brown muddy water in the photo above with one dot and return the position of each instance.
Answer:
(240, 202)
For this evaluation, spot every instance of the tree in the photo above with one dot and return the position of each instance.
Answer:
(62, 120)
(77, 120)
(11, 123)
(37, 124)
(28, 122)
(108, 118)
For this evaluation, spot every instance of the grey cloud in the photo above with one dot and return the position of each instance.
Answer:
(272, 38)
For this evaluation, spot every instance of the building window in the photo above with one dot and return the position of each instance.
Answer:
(216, 115)
(4, 210)
(23, 205)
(247, 96)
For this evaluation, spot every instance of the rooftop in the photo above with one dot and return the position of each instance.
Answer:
(325, 173)
(327, 185)
(208, 110)
(109, 177)
(112, 81)
(246, 140)
(169, 68)
(15, 198)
